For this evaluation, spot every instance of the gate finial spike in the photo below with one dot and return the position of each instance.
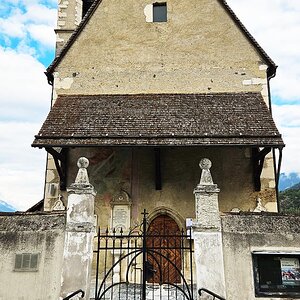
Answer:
(144, 212)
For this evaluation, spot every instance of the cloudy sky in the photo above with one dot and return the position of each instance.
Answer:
(27, 48)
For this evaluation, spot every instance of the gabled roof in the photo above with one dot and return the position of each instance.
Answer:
(39, 206)
(73, 37)
(94, 6)
(159, 119)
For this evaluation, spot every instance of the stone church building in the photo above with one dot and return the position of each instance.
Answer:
(145, 93)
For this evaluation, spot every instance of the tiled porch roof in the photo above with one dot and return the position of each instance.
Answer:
(159, 119)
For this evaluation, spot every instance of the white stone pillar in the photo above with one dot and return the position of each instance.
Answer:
(78, 249)
(207, 235)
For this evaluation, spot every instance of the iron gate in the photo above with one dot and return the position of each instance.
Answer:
(142, 265)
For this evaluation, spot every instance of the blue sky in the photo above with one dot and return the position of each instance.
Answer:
(27, 43)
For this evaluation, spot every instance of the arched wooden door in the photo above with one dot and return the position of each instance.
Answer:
(163, 250)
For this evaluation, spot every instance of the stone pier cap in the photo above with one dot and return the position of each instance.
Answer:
(82, 184)
(206, 183)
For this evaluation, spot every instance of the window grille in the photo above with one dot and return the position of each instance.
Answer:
(26, 262)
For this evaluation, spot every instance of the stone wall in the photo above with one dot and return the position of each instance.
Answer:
(41, 234)
(245, 233)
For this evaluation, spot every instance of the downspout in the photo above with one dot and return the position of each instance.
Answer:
(271, 73)
(277, 176)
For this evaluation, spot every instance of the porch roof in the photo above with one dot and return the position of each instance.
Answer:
(159, 119)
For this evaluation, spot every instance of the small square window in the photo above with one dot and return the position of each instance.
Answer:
(160, 12)
(276, 275)
(26, 262)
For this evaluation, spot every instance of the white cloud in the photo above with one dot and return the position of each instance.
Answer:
(290, 161)
(287, 115)
(12, 26)
(24, 48)
(286, 84)
(20, 134)
(288, 121)
(24, 193)
(25, 100)
(30, 22)
(42, 33)
(40, 14)
(24, 86)
(21, 167)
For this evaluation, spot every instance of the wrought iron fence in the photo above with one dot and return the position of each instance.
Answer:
(142, 264)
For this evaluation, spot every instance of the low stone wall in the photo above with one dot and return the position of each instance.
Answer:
(31, 233)
(248, 232)
(260, 223)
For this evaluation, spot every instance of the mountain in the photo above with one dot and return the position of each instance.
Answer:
(6, 207)
(288, 180)
(295, 187)
(290, 199)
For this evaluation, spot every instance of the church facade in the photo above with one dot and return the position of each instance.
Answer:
(143, 92)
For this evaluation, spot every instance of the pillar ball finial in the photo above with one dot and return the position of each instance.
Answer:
(83, 162)
(205, 164)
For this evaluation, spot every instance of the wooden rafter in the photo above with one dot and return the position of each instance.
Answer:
(258, 158)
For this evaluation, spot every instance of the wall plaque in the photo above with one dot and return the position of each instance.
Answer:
(121, 208)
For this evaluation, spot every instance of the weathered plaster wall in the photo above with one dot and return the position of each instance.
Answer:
(243, 234)
(133, 170)
(109, 172)
(31, 233)
(199, 49)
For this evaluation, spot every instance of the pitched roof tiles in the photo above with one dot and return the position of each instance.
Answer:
(159, 119)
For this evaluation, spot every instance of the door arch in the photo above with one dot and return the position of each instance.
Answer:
(164, 250)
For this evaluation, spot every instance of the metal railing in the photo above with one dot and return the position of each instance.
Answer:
(152, 263)
(74, 294)
(215, 296)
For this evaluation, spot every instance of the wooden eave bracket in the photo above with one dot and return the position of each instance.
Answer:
(60, 160)
(258, 158)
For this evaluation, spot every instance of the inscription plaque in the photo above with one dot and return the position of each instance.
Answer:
(120, 213)
(121, 217)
